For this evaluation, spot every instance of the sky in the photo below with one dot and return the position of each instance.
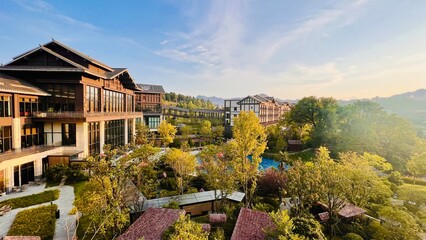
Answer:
(288, 49)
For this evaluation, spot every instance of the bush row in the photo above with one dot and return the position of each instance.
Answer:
(34, 199)
(416, 181)
(38, 221)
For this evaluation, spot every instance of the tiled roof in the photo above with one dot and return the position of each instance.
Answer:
(251, 224)
(350, 210)
(152, 224)
(13, 85)
(149, 88)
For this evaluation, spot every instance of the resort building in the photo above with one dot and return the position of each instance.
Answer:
(267, 109)
(149, 101)
(213, 115)
(58, 105)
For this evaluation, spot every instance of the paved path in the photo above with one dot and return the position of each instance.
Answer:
(65, 225)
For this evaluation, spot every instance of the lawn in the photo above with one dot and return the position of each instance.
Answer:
(34, 199)
(38, 221)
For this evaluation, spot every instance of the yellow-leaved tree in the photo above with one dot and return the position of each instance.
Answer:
(249, 139)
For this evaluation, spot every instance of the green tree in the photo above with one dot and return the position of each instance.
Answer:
(417, 165)
(167, 132)
(283, 227)
(249, 140)
(218, 133)
(183, 165)
(206, 128)
(399, 224)
(104, 199)
(184, 228)
(217, 171)
(142, 134)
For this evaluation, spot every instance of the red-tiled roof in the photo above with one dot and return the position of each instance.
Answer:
(251, 224)
(152, 224)
(350, 210)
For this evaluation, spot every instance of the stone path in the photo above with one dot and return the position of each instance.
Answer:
(65, 225)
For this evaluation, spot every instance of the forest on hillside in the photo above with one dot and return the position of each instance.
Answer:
(188, 102)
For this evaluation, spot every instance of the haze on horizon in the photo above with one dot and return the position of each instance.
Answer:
(287, 49)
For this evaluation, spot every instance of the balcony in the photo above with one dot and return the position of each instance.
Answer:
(79, 115)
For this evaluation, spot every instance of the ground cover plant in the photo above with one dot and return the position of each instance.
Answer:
(33, 199)
(43, 225)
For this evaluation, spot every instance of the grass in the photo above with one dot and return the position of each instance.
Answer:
(43, 225)
(306, 155)
(33, 199)
(414, 193)
(52, 184)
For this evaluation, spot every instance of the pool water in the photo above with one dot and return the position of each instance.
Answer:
(267, 163)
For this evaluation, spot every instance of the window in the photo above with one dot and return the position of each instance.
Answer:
(130, 103)
(114, 133)
(114, 101)
(5, 138)
(68, 134)
(31, 135)
(5, 109)
(28, 106)
(62, 97)
(152, 122)
(94, 138)
(130, 130)
(93, 99)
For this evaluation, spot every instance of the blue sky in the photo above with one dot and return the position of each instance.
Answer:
(288, 49)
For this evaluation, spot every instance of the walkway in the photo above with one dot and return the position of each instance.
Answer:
(65, 225)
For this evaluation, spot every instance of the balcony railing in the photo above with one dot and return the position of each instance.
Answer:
(80, 114)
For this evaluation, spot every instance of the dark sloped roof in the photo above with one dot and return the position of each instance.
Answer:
(87, 57)
(13, 85)
(150, 88)
(251, 224)
(152, 224)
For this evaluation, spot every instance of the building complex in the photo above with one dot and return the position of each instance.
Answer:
(57, 105)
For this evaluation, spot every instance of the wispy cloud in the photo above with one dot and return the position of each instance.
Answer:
(39, 6)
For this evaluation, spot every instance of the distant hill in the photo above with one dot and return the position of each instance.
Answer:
(215, 100)
(410, 105)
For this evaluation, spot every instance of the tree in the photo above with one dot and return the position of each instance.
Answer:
(184, 228)
(142, 133)
(272, 182)
(417, 165)
(283, 227)
(206, 129)
(167, 132)
(183, 165)
(217, 171)
(400, 224)
(218, 133)
(104, 199)
(249, 140)
(365, 186)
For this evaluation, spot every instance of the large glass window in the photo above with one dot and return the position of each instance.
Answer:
(31, 135)
(130, 103)
(5, 107)
(68, 134)
(114, 133)
(5, 138)
(62, 97)
(130, 130)
(114, 101)
(93, 99)
(152, 122)
(94, 138)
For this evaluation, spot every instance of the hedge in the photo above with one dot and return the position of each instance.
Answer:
(417, 181)
(34, 199)
(38, 221)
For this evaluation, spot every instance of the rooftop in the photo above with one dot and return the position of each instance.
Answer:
(149, 88)
(152, 224)
(251, 224)
(192, 198)
(13, 85)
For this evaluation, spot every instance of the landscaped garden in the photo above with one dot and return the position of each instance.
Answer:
(38, 221)
(30, 200)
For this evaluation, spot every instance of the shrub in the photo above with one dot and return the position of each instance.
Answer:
(35, 222)
(34, 199)
(56, 173)
(265, 207)
(416, 181)
(172, 205)
(352, 236)
(219, 234)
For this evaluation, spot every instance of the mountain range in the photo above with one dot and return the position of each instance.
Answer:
(409, 105)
